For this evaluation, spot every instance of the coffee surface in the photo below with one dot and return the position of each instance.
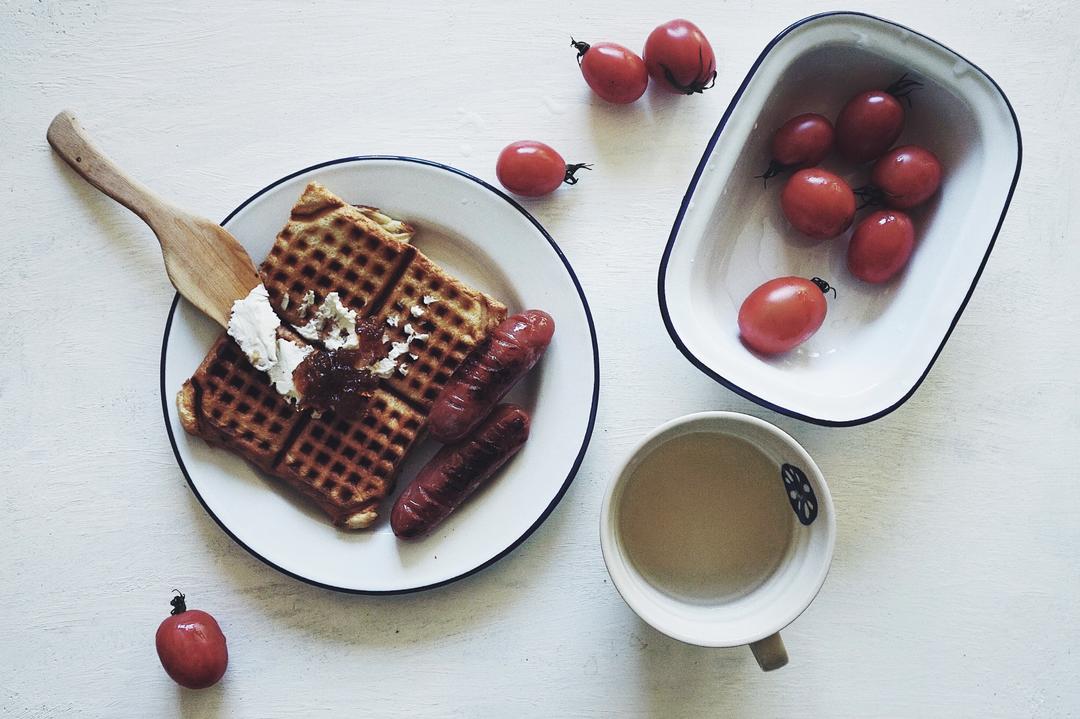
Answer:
(704, 518)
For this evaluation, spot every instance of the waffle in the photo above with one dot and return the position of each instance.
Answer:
(457, 319)
(328, 246)
(231, 404)
(331, 246)
(345, 466)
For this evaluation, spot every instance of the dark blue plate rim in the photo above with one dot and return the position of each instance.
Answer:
(693, 186)
(573, 469)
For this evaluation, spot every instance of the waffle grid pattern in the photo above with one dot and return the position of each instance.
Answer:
(353, 463)
(453, 323)
(346, 467)
(238, 407)
(341, 258)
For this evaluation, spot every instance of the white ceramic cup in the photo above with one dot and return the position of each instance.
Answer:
(756, 616)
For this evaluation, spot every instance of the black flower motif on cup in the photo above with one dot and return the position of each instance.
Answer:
(799, 493)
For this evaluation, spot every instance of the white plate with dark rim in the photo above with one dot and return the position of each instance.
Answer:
(878, 342)
(489, 241)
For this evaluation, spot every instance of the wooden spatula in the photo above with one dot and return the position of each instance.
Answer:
(204, 262)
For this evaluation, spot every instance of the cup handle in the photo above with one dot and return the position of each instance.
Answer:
(769, 652)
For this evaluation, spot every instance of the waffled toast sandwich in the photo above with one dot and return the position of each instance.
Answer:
(325, 248)
(345, 466)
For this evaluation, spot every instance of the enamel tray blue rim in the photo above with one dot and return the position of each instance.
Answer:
(573, 469)
(697, 176)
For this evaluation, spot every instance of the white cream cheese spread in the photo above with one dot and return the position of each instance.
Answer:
(305, 303)
(383, 368)
(334, 325)
(397, 349)
(290, 355)
(253, 324)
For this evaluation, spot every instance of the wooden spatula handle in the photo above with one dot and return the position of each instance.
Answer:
(205, 263)
(73, 144)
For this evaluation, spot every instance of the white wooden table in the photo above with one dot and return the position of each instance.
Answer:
(956, 582)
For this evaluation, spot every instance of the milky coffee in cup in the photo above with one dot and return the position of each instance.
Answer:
(718, 530)
(704, 518)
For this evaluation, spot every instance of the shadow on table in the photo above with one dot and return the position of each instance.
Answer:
(679, 679)
(201, 703)
(628, 135)
(396, 620)
(117, 222)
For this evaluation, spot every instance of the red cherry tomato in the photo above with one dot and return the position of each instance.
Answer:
(880, 246)
(802, 141)
(868, 125)
(680, 58)
(783, 313)
(532, 169)
(191, 646)
(818, 203)
(907, 176)
(870, 122)
(613, 72)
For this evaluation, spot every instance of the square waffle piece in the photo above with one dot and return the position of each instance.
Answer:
(451, 319)
(231, 404)
(345, 466)
(329, 245)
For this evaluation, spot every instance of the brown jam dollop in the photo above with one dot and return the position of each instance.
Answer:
(338, 380)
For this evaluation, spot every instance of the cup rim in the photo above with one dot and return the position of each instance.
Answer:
(616, 562)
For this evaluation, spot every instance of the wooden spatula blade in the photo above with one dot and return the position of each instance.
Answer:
(207, 265)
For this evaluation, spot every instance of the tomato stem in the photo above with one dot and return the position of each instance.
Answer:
(774, 169)
(699, 84)
(571, 169)
(869, 196)
(581, 47)
(903, 87)
(178, 604)
(823, 286)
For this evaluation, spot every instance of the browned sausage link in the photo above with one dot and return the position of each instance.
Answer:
(488, 374)
(457, 470)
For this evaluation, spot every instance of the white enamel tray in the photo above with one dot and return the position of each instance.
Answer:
(878, 342)
(483, 237)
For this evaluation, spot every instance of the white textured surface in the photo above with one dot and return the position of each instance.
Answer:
(956, 579)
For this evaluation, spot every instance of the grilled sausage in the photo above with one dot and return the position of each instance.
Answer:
(486, 375)
(457, 470)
